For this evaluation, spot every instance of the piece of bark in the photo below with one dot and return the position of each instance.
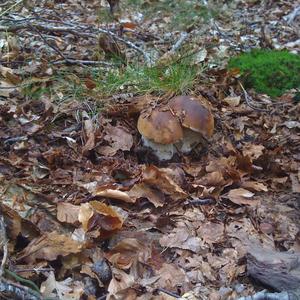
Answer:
(277, 270)
(264, 295)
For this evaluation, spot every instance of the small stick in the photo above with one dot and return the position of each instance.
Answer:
(184, 35)
(74, 29)
(3, 242)
(248, 101)
(168, 293)
(10, 8)
(291, 16)
(20, 279)
(18, 291)
(47, 43)
(205, 201)
(71, 61)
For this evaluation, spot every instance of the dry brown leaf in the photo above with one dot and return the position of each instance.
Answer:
(211, 232)
(158, 178)
(253, 151)
(118, 138)
(67, 212)
(6, 88)
(232, 100)
(89, 131)
(142, 190)
(85, 214)
(127, 251)
(176, 174)
(193, 169)
(97, 215)
(242, 196)
(48, 247)
(214, 178)
(220, 164)
(295, 183)
(64, 290)
(170, 277)
(254, 186)
(182, 238)
(120, 281)
(114, 194)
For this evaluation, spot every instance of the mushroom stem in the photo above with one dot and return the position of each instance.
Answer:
(163, 152)
(190, 140)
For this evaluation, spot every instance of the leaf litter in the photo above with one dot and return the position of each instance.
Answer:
(89, 212)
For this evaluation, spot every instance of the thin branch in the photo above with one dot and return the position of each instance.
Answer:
(47, 43)
(71, 61)
(17, 291)
(168, 293)
(75, 30)
(4, 242)
(248, 101)
(198, 201)
(183, 36)
(22, 280)
(291, 16)
(11, 7)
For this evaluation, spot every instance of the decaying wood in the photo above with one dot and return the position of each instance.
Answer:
(277, 270)
(264, 295)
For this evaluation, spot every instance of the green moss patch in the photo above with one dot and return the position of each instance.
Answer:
(267, 71)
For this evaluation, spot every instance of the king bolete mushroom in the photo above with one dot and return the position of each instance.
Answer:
(196, 119)
(181, 124)
(160, 130)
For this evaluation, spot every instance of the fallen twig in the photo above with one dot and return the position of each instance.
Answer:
(11, 7)
(22, 280)
(75, 29)
(248, 101)
(168, 293)
(67, 60)
(169, 55)
(4, 242)
(291, 16)
(183, 36)
(71, 61)
(16, 291)
(198, 201)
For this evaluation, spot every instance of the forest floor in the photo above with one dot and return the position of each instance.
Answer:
(89, 212)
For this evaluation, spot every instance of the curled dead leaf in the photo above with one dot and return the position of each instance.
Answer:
(120, 281)
(127, 251)
(242, 196)
(211, 232)
(253, 151)
(161, 180)
(254, 186)
(98, 215)
(118, 138)
(49, 246)
(114, 194)
(143, 190)
(64, 290)
(67, 212)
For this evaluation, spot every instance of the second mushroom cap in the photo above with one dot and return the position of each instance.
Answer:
(194, 114)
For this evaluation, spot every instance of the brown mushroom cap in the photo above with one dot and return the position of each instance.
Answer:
(160, 126)
(193, 114)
